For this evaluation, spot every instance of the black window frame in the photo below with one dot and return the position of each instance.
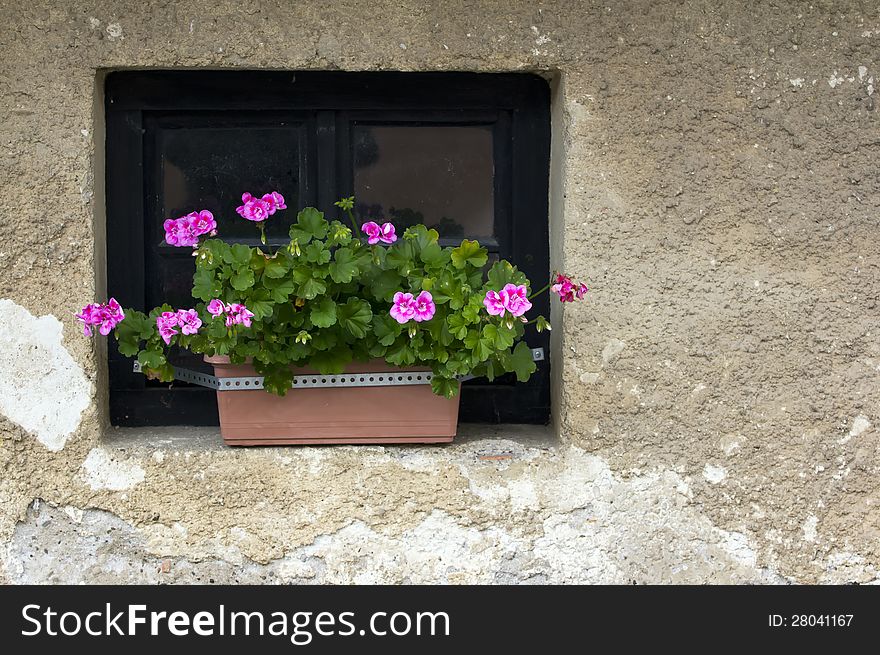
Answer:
(516, 104)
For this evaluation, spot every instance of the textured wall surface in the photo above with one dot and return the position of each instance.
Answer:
(715, 179)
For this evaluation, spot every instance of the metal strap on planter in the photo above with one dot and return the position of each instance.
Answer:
(383, 379)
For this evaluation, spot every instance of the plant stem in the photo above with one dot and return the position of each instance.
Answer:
(357, 229)
(538, 293)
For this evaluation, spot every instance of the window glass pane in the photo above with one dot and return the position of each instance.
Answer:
(442, 176)
(209, 168)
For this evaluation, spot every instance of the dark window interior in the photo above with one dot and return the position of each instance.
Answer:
(465, 153)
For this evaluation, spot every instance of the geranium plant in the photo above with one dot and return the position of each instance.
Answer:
(333, 295)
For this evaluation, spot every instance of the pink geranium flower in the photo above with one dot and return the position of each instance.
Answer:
(179, 232)
(375, 233)
(424, 307)
(202, 223)
(404, 307)
(111, 316)
(165, 323)
(495, 302)
(567, 289)
(254, 209)
(105, 317)
(564, 288)
(238, 314)
(89, 317)
(517, 299)
(189, 321)
(275, 201)
(216, 307)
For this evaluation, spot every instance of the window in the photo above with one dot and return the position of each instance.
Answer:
(465, 153)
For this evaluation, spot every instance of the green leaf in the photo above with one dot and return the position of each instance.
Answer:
(323, 314)
(457, 326)
(433, 255)
(472, 312)
(344, 267)
(135, 328)
(212, 253)
(501, 337)
(324, 339)
(503, 272)
(276, 267)
(400, 354)
(260, 308)
(242, 280)
(386, 329)
(163, 373)
(151, 358)
(204, 285)
(281, 292)
(300, 236)
(276, 379)
(422, 235)
(480, 346)
(521, 362)
(385, 284)
(312, 288)
(316, 253)
(237, 255)
(469, 252)
(400, 256)
(443, 386)
(312, 221)
(354, 316)
(331, 362)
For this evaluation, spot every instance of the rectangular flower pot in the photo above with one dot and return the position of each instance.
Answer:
(394, 414)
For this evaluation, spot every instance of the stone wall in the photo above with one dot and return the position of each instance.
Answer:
(715, 179)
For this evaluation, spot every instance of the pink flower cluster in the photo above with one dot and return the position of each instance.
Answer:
(259, 209)
(567, 289)
(105, 317)
(236, 313)
(512, 298)
(186, 230)
(375, 233)
(186, 319)
(406, 307)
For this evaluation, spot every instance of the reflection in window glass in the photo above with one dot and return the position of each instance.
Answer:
(209, 168)
(442, 176)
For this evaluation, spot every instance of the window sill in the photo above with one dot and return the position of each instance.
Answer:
(506, 441)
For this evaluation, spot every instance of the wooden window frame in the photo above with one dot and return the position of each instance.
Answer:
(516, 105)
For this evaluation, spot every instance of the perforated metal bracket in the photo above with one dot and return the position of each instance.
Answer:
(384, 379)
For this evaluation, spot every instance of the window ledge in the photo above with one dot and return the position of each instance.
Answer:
(505, 441)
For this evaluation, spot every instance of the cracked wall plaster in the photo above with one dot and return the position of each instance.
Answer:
(556, 515)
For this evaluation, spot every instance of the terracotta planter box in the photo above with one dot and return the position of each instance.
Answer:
(333, 415)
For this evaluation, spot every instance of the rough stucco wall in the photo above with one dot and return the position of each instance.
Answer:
(719, 400)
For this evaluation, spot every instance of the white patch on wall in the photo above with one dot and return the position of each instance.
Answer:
(42, 388)
(101, 470)
(835, 80)
(809, 528)
(714, 474)
(860, 424)
(114, 31)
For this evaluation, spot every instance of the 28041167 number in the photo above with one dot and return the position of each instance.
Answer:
(810, 620)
